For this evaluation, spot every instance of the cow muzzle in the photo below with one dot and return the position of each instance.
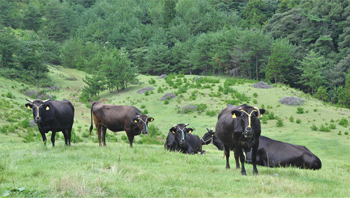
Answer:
(182, 142)
(37, 120)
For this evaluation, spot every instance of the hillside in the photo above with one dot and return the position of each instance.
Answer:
(328, 146)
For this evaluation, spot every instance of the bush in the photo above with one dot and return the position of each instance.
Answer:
(300, 110)
(332, 126)
(271, 116)
(166, 102)
(24, 123)
(298, 121)
(255, 95)
(152, 81)
(346, 133)
(255, 101)
(324, 129)
(75, 138)
(154, 136)
(279, 122)
(147, 93)
(160, 90)
(29, 138)
(143, 106)
(211, 113)
(314, 127)
(291, 119)
(343, 122)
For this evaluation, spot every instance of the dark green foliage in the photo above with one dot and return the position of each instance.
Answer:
(152, 81)
(166, 102)
(255, 96)
(344, 122)
(298, 121)
(29, 137)
(322, 94)
(211, 113)
(279, 122)
(314, 127)
(332, 126)
(300, 110)
(32, 17)
(271, 116)
(291, 119)
(255, 101)
(154, 136)
(324, 128)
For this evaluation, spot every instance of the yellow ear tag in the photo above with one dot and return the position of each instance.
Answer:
(135, 121)
(47, 108)
(28, 107)
(212, 135)
(190, 132)
(261, 116)
(152, 120)
(234, 115)
(173, 131)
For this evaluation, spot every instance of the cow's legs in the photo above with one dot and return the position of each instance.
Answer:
(98, 128)
(255, 149)
(65, 134)
(103, 134)
(44, 137)
(236, 153)
(130, 138)
(53, 137)
(241, 156)
(69, 134)
(227, 154)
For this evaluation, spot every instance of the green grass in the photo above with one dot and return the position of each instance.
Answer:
(84, 169)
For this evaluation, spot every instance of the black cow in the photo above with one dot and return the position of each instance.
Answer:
(118, 118)
(211, 137)
(239, 128)
(185, 142)
(273, 153)
(170, 143)
(53, 116)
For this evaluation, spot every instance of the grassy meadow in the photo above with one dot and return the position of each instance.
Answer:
(147, 170)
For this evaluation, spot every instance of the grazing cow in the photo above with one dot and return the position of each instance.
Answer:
(211, 137)
(185, 141)
(118, 118)
(239, 128)
(273, 153)
(53, 116)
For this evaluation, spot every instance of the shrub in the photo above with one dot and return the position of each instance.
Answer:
(315, 110)
(271, 116)
(300, 110)
(255, 101)
(211, 113)
(143, 106)
(324, 129)
(147, 93)
(166, 102)
(343, 122)
(346, 133)
(339, 133)
(160, 90)
(75, 138)
(151, 81)
(255, 95)
(10, 95)
(220, 88)
(144, 112)
(314, 127)
(332, 126)
(298, 121)
(291, 119)
(279, 122)
(24, 123)
(154, 136)
(28, 138)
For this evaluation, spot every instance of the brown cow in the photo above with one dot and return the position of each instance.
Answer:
(118, 118)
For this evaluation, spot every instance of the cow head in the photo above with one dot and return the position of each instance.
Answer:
(142, 122)
(246, 122)
(40, 108)
(180, 132)
(208, 137)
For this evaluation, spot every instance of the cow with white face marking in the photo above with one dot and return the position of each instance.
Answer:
(53, 116)
(239, 128)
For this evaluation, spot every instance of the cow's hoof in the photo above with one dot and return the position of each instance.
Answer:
(244, 173)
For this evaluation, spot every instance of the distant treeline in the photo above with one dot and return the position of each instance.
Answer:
(303, 43)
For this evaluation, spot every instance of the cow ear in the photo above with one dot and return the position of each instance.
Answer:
(29, 105)
(172, 129)
(190, 130)
(135, 120)
(262, 111)
(236, 113)
(150, 119)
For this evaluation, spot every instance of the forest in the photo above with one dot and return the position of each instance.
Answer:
(301, 43)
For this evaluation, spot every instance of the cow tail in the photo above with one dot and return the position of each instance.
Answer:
(92, 121)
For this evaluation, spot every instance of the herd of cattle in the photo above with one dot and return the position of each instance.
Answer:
(238, 129)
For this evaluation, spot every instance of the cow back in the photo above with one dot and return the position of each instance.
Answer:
(60, 116)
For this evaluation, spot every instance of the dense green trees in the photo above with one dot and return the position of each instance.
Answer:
(280, 41)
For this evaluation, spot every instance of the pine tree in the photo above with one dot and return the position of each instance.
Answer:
(9, 45)
(32, 17)
(169, 12)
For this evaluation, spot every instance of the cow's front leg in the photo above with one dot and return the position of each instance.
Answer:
(103, 135)
(241, 156)
(53, 137)
(236, 154)
(130, 138)
(255, 150)
(44, 137)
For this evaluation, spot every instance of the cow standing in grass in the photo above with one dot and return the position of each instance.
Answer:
(118, 118)
(53, 116)
(239, 128)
